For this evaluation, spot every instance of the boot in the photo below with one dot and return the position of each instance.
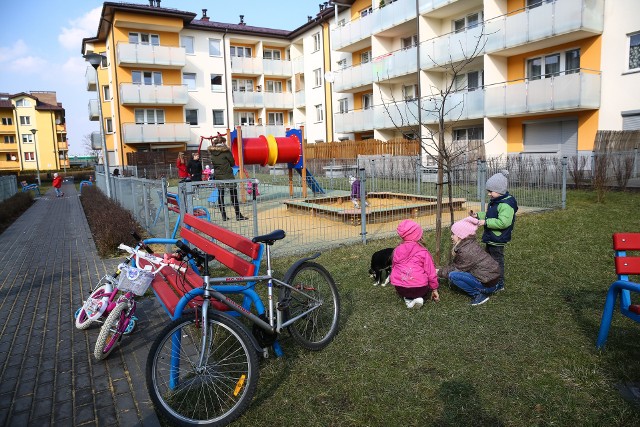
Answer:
(224, 213)
(240, 217)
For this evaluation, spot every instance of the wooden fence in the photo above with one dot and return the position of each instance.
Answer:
(351, 149)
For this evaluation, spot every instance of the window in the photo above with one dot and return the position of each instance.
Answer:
(409, 92)
(149, 116)
(187, 43)
(543, 67)
(634, 51)
(272, 54)
(240, 51)
(6, 121)
(106, 92)
(343, 105)
(316, 42)
(218, 117)
(146, 77)
(317, 77)
(535, 3)
(191, 117)
(108, 125)
(245, 118)
(189, 79)
(466, 134)
(104, 62)
(468, 22)
(469, 81)
(214, 47)
(365, 57)
(242, 85)
(342, 64)
(216, 82)
(319, 113)
(29, 156)
(9, 139)
(366, 12)
(25, 120)
(275, 119)
(273, 86)
(27, 137)
(367, 101)
(572, 61)
(409, 42)
(144, 38)
(23, 103)
(342, 22)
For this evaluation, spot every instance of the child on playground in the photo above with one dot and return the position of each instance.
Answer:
(194, 167)
(472, 269)
(181, 164)
(355, 192)
(57, 184)
(206, 173)
(498, 221)
(412, 270)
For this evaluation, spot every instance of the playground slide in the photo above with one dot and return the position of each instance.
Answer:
(311, 181)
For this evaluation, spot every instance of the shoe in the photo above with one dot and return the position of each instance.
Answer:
(414, 303)
(499, 287)
(479, 299)
(224, 216)
(241, 217)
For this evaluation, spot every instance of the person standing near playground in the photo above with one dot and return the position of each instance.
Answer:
(57, 184)
(223, 162)
(181, 164)
(471, 269)
(206, 173)
(498, 222)
(194, 167)
(412, 270)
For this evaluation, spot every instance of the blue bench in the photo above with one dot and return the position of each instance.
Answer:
(28, 187)
(623, 287)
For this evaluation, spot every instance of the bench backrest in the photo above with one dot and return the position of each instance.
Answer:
(626, 265)
(217, 235)
(172, 202)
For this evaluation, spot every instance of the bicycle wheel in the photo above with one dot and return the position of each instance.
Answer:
(315, 330)
(83, 320)
(111, 331)
(214, 394)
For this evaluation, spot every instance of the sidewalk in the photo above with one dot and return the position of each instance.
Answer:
(48, 375)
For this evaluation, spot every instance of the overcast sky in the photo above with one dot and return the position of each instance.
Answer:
(40, 44)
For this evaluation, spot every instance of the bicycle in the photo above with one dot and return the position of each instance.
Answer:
(203, 369)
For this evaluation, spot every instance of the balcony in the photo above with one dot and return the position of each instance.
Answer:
(7, 129)
(248, 66)
(273, 67)
(135, 94)
(96, 141)
(353, 78)
(90, 77)
(392, 15)
(133, 133)
(254, 131)
(451, 48)
(132, 55)
(299, 99)
(426, 6)
(396, 114)
(354, 121)
(576, 91)
(63, 146)
(283, 100)
(94, 110)
(397, 64)
(243, 99)
(298, 65)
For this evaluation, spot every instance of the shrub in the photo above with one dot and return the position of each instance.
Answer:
(13, 207)
(110, 223)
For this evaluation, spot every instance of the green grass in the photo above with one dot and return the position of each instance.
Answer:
(527, 357)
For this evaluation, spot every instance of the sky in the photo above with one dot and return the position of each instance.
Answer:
(41, 41)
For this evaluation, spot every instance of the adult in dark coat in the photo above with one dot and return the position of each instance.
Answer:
(222, 163)
(194, 167)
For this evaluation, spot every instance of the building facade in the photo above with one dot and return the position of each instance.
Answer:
(33, 133)
(533, 77)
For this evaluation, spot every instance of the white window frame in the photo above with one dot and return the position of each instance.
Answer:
(366, 11)
(188, 43)
(106, 93)
(139, 77)
(29, 156)
(272, 54)
(186, 116)
(343, 105)
(409, 42)
(9, 139)
(23, 103)
(409, 92)
(273, 86)
(25, 120)
(461, 83)
(215, 47)
(544, 73)
(366, 57)
(7, 121)
(245, 118)
(219, 112)
(275, 119)
(342, 64)
(316, 42)
(467, 22)
(108, 125)
(242, 85)
(319, 113)
(158, 116)
(317, 77)
(367, 101)
(636, 38)
(190, 80)
(216, 87)
(137, 38)
(240, 52)
(27, 138)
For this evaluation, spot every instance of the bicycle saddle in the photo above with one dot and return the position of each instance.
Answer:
(270, 238)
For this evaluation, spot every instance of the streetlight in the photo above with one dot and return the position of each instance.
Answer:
(35, 149)
(95, 59)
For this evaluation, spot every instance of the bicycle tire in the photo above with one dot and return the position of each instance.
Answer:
(110, 332)
(218, 393)
(83, 321)
(316, 330)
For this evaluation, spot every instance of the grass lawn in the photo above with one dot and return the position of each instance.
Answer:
(527, 357)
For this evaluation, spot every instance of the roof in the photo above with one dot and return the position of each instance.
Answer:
(6, 104)
(237, 28)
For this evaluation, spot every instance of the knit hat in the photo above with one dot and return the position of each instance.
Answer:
(55, 175)
(498, 182)
(409, 231)
(465, 227)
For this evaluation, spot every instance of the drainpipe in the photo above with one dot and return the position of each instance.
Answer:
(226, 92)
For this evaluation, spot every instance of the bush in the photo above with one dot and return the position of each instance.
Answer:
(13, 207)
(110, 223)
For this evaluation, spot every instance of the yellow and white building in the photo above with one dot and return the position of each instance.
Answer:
(524, 76)
(33, 133)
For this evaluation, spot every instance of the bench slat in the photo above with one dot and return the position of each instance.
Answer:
(229, 238)
(627, 265)
(231, 260)
(626, 241)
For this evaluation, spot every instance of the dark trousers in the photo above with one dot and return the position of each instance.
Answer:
(497, 253)
(234, 199)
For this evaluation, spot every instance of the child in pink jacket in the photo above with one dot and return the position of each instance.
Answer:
(412, 270)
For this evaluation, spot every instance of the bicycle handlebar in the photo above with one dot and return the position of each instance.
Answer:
(194, 253)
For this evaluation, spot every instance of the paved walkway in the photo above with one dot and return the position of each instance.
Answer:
(48, 375)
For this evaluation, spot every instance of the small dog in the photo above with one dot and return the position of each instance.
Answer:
(381, 266)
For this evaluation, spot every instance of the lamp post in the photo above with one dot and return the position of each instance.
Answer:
(35, 146)
(95, 59)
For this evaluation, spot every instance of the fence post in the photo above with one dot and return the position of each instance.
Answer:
(482, 173)
(418, 176)
(635, 162)
(165, 208)
(564, 182)
(145, 200)
(363, 205)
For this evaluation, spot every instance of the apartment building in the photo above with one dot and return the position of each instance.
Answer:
(523, 76)
(33, 133)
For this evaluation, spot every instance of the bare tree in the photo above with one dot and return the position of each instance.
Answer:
(88, 146)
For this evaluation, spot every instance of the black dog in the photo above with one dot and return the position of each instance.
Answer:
(381, 266)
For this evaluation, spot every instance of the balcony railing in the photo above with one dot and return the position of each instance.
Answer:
(298, 65)
(569, 91)
(63, 145)
(426, 6)
(155, 133)
(353, 77)
(250, 66)
(128, 54)
(273, 67)
(351, 32)
(299, 99)
(278, 100)
(94, 110)
(396, 114)
(96, 141)
(253, 131)
(135, 94)
(354, 121)
(452, 47)
(90, 77)
(398, 63)
(248, 99)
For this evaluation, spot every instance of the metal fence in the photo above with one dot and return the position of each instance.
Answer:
(8, 186)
